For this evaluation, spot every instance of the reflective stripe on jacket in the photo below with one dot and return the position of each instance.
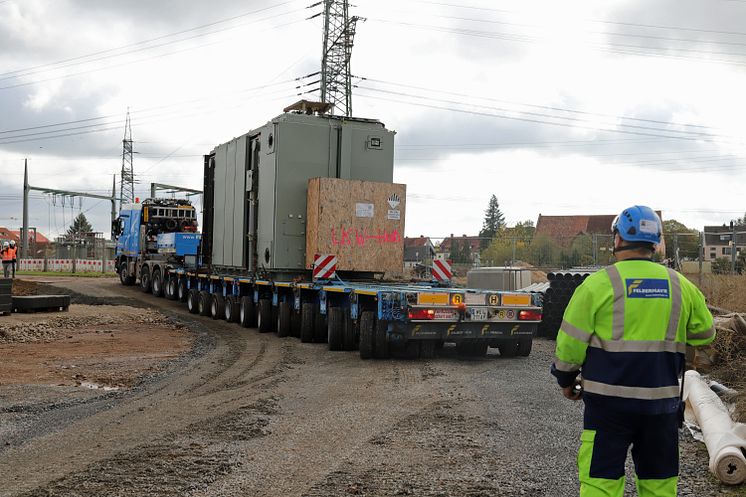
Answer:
(626, 328)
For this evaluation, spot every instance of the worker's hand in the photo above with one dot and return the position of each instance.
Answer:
(574, 391)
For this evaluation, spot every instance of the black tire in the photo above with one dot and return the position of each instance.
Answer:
(157, 283)
(170, 288)
(320, 331)
(145, 279)
(264, 317)
(183, 290)
(295, 323)
(124, 275)
(524, 347)
(427, 349)
(336, 328)
(247, 313)
(380, 342)
(283, 319)
(217, 306)
(508, 348)
(307, 315)
(193, 301)
(367, 332)
(204, 303)
(350, 334)
(231, 311)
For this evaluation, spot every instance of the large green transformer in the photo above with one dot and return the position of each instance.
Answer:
(255, 185)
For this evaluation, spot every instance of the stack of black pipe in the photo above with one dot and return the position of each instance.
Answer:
(561, 287)
(6, 301)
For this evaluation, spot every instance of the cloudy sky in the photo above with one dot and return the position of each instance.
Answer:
(580, 107)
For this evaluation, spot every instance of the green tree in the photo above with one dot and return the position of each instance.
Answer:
(466, 252)
(494, 221)
(79, 227)
(676, 234)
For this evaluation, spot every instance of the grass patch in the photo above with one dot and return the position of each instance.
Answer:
(58, 273)
(728, 351)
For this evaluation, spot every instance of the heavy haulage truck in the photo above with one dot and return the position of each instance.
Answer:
(303, 235)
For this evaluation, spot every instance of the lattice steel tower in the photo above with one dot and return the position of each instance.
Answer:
(339, 35)
(127, 187)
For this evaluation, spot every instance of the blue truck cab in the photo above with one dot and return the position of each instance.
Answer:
(154, 238)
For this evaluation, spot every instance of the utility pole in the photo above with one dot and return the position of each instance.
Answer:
(701, 255)
(127, 188)
(339, 36)
(24, 229)
(733, 248)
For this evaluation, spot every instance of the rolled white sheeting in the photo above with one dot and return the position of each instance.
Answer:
(725, 440)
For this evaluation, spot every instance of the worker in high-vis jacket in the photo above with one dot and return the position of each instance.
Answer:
(621, 348)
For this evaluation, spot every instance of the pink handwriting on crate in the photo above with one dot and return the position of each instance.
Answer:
(352, 237)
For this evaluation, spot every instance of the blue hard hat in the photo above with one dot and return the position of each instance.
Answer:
(638, 224)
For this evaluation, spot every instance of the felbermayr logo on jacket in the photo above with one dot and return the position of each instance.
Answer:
(647, 288)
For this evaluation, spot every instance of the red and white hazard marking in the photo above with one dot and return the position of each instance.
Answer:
(324, 267)
(441, 270)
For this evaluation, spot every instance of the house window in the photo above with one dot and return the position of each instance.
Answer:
(726, 250)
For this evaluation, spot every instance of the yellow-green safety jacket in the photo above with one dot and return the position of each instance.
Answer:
(626, 329)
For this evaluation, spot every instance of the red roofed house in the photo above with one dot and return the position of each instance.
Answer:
(474, 242)
(38, 243)
(564, 229)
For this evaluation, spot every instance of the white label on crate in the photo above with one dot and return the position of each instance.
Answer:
(394, 215)
(364, 210)
(394, 201)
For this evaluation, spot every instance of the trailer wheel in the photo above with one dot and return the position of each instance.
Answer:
(231, 311)
(380, 342)
(320, 332)
(247, 313)
(124, 275)
(283, 319)
(193, 301)
(264, 320)
(217, 307)
(336, 328)
(307, 314)
(508, 348)
(204, 303)
(427, 349)
(524, 346)
(172, 288)
(145, 279)
(157, 283)
(349, 338)
(294, 323)
(367, 330)
(183, 290)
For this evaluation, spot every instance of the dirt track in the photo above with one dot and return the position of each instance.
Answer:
(252, 414)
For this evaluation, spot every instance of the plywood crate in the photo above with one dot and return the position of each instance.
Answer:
(361, 222)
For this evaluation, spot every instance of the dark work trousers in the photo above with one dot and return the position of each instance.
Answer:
(607, 436)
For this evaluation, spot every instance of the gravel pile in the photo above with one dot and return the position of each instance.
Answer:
(56, 326)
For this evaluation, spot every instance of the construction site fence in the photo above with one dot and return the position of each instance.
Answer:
(683, 251)
(67, 265)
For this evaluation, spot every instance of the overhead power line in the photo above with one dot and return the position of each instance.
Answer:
(25, 71)
(601, 21)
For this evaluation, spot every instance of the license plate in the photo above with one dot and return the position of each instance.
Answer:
(478, 314)
(444, 314)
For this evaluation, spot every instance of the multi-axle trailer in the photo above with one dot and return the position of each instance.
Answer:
(274, 200)
(376, 318)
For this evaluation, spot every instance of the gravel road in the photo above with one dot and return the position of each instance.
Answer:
(252, 414)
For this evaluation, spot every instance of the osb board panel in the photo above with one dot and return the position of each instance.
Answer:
(357, 222)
